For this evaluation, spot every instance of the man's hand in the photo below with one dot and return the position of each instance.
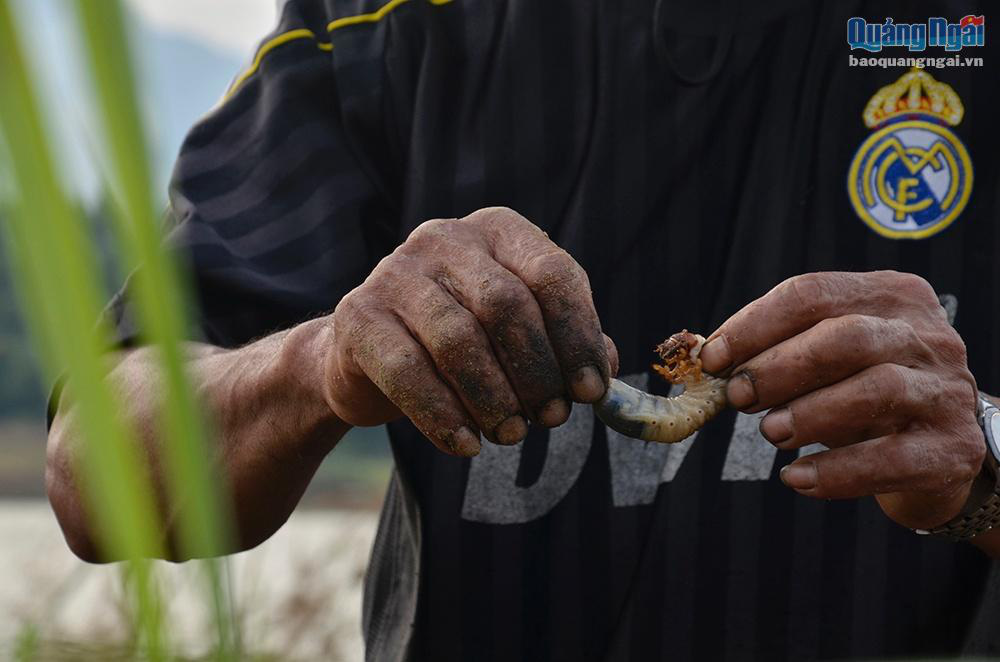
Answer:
(867, 364)
(473, 324)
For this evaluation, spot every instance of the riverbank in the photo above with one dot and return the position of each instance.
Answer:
(298, 595)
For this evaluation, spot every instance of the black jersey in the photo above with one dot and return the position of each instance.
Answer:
(690, 156)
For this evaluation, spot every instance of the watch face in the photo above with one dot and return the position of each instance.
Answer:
(992, 428)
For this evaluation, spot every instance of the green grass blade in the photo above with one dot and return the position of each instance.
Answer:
(159, 297)
(48, 244)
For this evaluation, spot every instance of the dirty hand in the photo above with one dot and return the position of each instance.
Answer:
(867, 364)
(471, 325)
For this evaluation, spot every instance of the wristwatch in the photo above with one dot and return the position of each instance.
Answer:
(982, 509)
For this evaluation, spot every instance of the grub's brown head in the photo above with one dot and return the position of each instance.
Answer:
(675, 351)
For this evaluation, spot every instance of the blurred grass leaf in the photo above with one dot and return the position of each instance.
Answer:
(52, 259)
(158, 295)
(27, 644)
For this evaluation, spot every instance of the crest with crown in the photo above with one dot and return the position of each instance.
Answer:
(915, 93)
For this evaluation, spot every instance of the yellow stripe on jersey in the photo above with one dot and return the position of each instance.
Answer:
(302, 33)
(269, 46)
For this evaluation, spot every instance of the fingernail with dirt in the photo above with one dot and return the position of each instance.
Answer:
(465, 442)
(777, 425)
(799, 476)
(741, 391)
(554, 413)
(587, 384)
(715, 355)
(511, 431)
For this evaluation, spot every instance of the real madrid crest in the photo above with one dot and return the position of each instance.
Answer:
(912, 177)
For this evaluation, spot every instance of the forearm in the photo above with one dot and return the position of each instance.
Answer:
(271, 426)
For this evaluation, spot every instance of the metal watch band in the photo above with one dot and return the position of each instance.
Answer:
(970, 524)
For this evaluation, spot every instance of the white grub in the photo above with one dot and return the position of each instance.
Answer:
(641, 415)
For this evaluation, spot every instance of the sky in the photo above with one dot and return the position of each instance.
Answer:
(231, 25)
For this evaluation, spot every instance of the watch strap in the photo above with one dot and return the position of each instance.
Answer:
(979, 521)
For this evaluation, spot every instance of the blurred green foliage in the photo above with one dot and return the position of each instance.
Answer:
(22, 395)
(20, 390)
(62, 262)
(51, 248)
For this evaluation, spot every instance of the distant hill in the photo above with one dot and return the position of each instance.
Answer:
(182, 80)
(179, 78)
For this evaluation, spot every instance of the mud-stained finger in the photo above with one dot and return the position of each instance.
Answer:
(512, 320)
(463, 356)
(403, 371)
(562, 290)
(876, 402)
(612, 355)
(798, 303)
(830, 351)
(921, 461)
